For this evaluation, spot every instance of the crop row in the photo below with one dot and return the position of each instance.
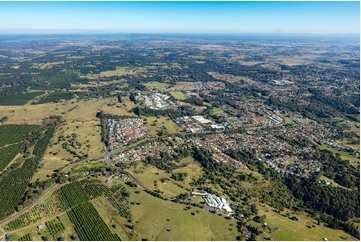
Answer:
(89, 226)
(13, 133)
(7, 154)
(72, 195)
(54, 226)
(37, 213)
(14, 184)
(25, 237)
(123, 209)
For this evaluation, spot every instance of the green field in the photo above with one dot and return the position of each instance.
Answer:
(181, 85)
(70, 110)
(119, 71)
(148, 174)
(156, 219)
(154, 124)
(298, 230)
(178, 95)
(216, 111)
(157, 85)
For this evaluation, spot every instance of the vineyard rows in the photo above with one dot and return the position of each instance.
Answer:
(14, 184)
(7, 154)
(37, 213)
(25, 237)
(13, 133)
(72, 195)
(89, 226)
(54, 227)
(123, 209)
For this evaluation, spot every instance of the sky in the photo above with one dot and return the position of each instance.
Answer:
(180, 17)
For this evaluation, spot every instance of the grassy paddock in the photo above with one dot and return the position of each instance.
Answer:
(156, 219)
(157, 85)
(71, 110)
(178, 95)
(170, 126)
(298, 230)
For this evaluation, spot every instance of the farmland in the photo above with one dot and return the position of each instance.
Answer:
(119, 71)
(19, 99)
(15, 183)
(100, 138)
(304, 229)
(71, 110)
(160, 220)
(155, 124)
(11, 134)
(7, 154)
(89, 225)
(157, 86)
(178, 95)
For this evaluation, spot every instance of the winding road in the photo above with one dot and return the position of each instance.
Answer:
(106, 155)
(16, 215)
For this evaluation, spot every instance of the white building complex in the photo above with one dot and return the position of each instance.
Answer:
(213, 201)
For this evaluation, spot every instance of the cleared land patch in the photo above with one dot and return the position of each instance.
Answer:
(157, 85)
(119, 71)
(305, 228)
(77, 110)
(178, 95)
(154, 124)
(156, 221)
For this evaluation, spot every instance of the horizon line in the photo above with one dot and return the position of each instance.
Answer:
(82, 32)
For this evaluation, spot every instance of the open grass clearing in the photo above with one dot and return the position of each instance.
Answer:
(89, 165)
(154, 124)
(50, 164)
(181, 86)
(119, 71)
(178, 95)
(150, 176)
(121, 83)
(160, 86)
(298, 230)
(216, 111)
(156, 219)
(88, 135)
(71, 110)
(333, 183)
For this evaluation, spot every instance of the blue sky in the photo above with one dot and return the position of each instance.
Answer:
(180, 17)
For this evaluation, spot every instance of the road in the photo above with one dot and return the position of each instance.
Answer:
(106, 155)
(16, 215)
